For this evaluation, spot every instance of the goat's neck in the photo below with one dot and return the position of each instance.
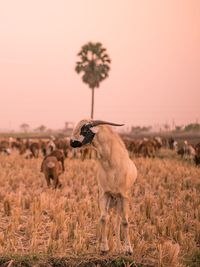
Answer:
(105, 144)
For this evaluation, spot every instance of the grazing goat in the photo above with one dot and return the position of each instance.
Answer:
(197, 156)
(116, 175)
(173, 144)
(35, 148)
(52, 168)
(50, 147)
(187, 152)
(147, 148)
(5, 148)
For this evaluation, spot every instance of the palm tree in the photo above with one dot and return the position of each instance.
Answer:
(94, 63)
(24, 127)
(41, 128)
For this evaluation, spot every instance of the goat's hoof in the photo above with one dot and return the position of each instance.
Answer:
(128, 253)
(104, 252)
(104, 249)
(128, 250)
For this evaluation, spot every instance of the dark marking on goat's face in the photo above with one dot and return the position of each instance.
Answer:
(77, 129)
(82, 134)
(75, 143)
(85, 129)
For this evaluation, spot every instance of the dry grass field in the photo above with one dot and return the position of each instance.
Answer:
(164, 213)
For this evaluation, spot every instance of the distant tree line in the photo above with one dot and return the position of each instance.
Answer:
(192, 127)
(139, 129)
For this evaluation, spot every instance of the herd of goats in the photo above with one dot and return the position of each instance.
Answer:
(56, 150)
(145, 147)
(116, 171)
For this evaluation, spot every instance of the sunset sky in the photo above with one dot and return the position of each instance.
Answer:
(155, 71)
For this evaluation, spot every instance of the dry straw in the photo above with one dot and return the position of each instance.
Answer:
(164, 214)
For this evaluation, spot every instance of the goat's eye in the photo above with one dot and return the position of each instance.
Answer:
(84, 130)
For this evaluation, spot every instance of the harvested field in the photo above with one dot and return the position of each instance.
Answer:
(63, 223)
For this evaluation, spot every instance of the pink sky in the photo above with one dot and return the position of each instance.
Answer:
(154, 46)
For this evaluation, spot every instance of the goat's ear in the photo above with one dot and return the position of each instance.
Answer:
(95, 129)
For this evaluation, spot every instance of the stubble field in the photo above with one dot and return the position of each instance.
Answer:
(164, 212)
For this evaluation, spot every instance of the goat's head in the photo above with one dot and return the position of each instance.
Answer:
(84, 132)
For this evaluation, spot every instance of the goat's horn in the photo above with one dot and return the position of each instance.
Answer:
(99, 122)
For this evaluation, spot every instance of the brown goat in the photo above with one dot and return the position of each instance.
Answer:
(197, 156)
(35, 148)
(52, 168)
(60, 157)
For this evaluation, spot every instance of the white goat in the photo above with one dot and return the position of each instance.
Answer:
(189, 151)
(116, 175)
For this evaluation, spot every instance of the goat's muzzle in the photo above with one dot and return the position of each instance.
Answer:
(75, 143)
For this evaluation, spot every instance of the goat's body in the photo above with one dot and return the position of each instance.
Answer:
(34, 148)
(52, 168)
(197, 156)
(60, 157)
(116, 175)
(116, 172)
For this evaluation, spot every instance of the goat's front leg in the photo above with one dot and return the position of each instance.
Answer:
(47, 180)
(63, 165)
(125, 210)
(57, 183)
(104, 203)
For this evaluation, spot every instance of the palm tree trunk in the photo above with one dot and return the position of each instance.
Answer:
(92, 107)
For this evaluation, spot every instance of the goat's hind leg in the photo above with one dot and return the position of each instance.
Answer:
(125, 210)
(104, 203)
(57, 183)
(118, 225)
